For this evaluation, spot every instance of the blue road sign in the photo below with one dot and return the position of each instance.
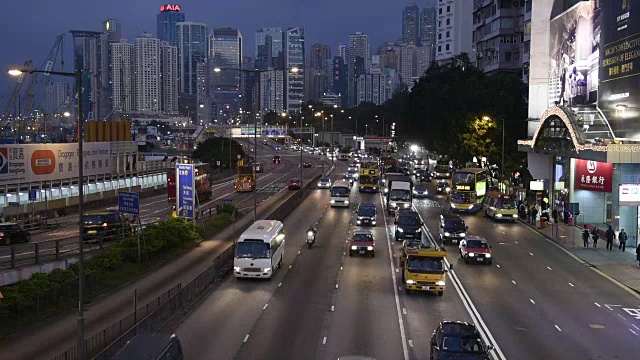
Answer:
(185, 189)
(32, 195)
(129, 202)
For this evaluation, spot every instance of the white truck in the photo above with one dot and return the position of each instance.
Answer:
(399, 194)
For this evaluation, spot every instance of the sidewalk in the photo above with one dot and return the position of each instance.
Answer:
(621, 266)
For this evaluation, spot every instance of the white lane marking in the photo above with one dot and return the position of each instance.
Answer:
(404, 311)
(324, 340)
(533, 302)
(598, 305)
(279, 284)
(504, 233)
(608, 307)
(558, 327)
(531, 253)
(634, 333)
(299, 251)
(513, 281)
(621, 316)
(635, 326)
(516, 242)
(246, 338)
(549, 268)
(570, 284)
(332, 308)
(411, 343)
(405, 350)
(497, 265)
(265, 306)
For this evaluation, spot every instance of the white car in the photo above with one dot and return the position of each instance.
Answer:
(324, 183)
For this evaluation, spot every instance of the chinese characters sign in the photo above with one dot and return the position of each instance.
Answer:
(185, 191)
(593, 175)
(129, 202)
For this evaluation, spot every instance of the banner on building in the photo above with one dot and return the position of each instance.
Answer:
(593, 175)
(629, 194)
(24, 163)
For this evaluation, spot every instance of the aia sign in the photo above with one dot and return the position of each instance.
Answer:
(170, 7)
(593, 175)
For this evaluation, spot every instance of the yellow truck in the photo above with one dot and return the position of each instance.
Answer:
(423, 267)
(245, 179)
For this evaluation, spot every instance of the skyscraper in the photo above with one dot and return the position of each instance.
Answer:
(358, 48)
(169, 78)
(454, 29)
(111, 27)
(317, 81)
(147, 82)
(167, 19)
(411, 24)
(271, 91)
(203, 104)
(247, 85)
(428, 27)
(87, 56)
(339, 79)
(111, 35)
(268, 48)
(122, 77)
(294, 58)
(226, 53)
(59, 97)
(192, 50)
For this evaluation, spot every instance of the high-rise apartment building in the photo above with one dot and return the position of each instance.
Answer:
(358, 48)
(339, 79)
(167, 18)
(226, 54)
(455, 21)
(192, 50)
(526, 42)
(375, 88)
(272, 91)
(269, 46)
(122, 76)
(203, 104)
(411, 24)
(497, 35)
(317, 82)
(428, 25)
(169, 78)
(59, 97)
(342, 52)
(294, 59)
(147, 84)
(111, 34)
(87, 55)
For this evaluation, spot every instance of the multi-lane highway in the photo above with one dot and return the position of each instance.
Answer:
(535, 301)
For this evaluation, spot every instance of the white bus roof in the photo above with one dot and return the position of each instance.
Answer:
(341, 183)
(264, 230)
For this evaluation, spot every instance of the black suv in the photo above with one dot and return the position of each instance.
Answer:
(105, 226)
(366, 214)
(458, 340)
(408, 225)
(452, 228)
(11, 233)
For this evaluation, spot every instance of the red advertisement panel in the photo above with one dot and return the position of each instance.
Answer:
(593, 175)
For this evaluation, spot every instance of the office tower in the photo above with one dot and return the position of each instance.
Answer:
(342, 52)
(169, 16)
(317, 81)
(411, 24)
(112, 34)
(358, 48)
(294, 58)
(226, 54)
(192, 50)
(272, 92)
(248, 85)
(269, 46)
(111, 27)
(169, 78)
(87, 56)
(147, 83)
(454, 30)
(59, 97)
(498, 49)
(122, 76)
(428, 27)
(339, 79)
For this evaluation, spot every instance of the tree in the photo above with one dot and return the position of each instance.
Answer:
(477, 141)
(216, 149)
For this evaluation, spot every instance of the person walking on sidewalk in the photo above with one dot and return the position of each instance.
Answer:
(585, 238)
(595, 236)
(554, 215)
(622, 239)
(534, 216)
(638, 254)
(611, 235)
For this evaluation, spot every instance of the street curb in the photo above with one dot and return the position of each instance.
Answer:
(576, 256)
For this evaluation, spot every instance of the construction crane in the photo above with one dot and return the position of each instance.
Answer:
(16, 92)
(47, 66)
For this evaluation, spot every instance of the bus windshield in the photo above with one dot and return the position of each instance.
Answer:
(400, 195)
(339, 191)
(464, 178)
(463, 197)
(254, 249)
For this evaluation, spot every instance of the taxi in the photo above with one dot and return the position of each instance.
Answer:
(362, 243)
(475, 249)
(294, 184)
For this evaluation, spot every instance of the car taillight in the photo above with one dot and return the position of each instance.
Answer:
(1, 234)
(105, 225)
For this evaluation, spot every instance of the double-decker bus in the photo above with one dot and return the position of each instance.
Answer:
(369, 176)
(442, 169)
(245, 180)
(202, 180)
(468, 188)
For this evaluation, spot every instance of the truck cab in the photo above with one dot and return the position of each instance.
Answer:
(400, 193)
(423, 268)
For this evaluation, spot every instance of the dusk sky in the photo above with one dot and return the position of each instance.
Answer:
(29, 28)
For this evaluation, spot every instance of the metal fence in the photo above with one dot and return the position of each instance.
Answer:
(162, 313)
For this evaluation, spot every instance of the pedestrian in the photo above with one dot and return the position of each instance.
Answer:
(585, 238)
(522, 210)
(528, 215)
(638, 253)
(622, 239)
(565, 216)
(595, 236)
(611, 235)
(534, 215)
(554, 215)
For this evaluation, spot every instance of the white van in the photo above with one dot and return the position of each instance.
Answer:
(340, 192)
(259, 250)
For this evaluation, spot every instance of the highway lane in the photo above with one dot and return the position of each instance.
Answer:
(540, 302)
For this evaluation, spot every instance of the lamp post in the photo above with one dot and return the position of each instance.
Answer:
(79, 133)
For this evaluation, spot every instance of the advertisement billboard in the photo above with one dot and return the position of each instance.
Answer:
(24, 163)
(629, 195)
(593, 175)
(619, 95)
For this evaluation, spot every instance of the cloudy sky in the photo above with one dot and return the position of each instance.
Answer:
(29, 27)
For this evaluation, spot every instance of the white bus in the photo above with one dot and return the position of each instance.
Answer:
(340, 192)
(259, 250)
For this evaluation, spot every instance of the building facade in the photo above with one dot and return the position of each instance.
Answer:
(166, 20)
(317, 81)
(411, 24)
(455, 26)
(58, 97)
(269, 47)
(123, 69)
(339, 79)
(272, 92)
(147, 77)
(87, 56)
(428, 26)
(358, 48)
(192, 50)
(294, 58)
(226, 54)
(169, 78)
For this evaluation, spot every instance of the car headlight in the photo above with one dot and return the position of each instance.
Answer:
(498, 215)
(419, 230)
(415, 192)
(358, 222)
(400, 230)
(332, 201)
(237, 268)
(463, 234)
(369, 248)
(266, 269)
(373, 222)
(447, 174)
(446, 233)
(310, 233)
(447, 189)
(470, 207)
(393, 204)
(319, 184)
(472, 254)
(410, 282)
(453, 206)
(515, 215)
(354, 247)
(386, 190)
(440, 283)
(346, 202)
(407, 205)
(384, 180)
(487, 255)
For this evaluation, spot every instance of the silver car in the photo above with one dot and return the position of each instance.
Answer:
(324, 183)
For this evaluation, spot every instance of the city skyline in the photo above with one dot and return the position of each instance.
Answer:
(34, 41)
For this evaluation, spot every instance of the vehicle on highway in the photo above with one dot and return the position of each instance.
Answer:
(12, 233)
(202, 180)
(259, 167)
(340, 192)
(400, 194)
(407, 246)
(468, 188)
(385, 180)
(420, 191)
(442, 187)
(423, 175)
(475, 249)
(294, 184)
(311, 236)
(443, 169)
(105, 226)
(366, 214)
(324, 183)
(259, 250)
(369, 176)
(452, 228)
(353, 164)
(353, 173)
(343, 157)
(245, 180)
(276, 159)
(424, 269)
(307, 164)
(362, 243)
(151, 347)
(500, 206)
(458, 340)
(407, 224)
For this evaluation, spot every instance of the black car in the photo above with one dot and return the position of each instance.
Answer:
(452, 228)
(423, 175)
(104, 226)
(366, 214)
(458, 340)
(307, 164)
(420, 191)
(407, 224)
(442, 186)
(11, 233)
(276, 159)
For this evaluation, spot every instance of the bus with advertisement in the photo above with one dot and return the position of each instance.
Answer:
(202, 180)
(369, 176)
(245, 179)
(468, 188)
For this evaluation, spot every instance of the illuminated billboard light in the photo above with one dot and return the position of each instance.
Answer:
(170, 7)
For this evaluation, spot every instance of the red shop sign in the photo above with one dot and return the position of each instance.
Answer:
(593, 175)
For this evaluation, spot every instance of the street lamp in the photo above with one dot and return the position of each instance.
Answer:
(79, 133)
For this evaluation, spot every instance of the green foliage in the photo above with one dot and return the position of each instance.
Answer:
(215, 224)
(226, 209)
(476, 139)
(217, 149)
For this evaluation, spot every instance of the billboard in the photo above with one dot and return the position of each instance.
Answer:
(629, 194)
(593, 175)
(24, 163)
(619, 93)
(185, 188)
